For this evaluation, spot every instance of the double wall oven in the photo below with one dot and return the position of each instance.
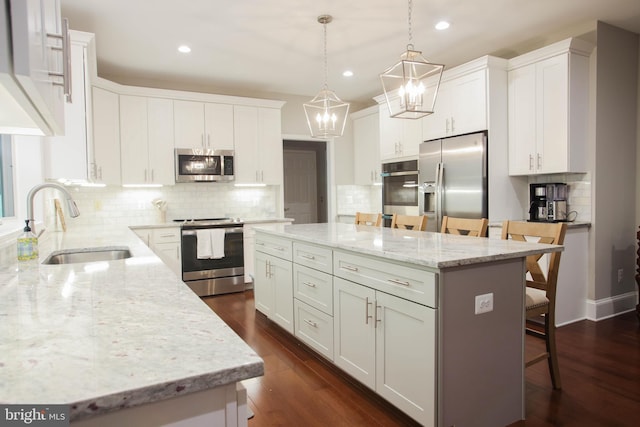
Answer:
(399, 189)
(221, 273)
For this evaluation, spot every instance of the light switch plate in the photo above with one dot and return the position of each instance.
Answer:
(484, 303)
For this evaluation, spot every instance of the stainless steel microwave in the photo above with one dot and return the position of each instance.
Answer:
(204, 165)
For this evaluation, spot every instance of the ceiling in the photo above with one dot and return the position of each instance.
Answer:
(251, 47)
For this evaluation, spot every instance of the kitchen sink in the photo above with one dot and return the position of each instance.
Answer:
(71, 256)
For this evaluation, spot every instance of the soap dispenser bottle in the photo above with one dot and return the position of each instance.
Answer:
(27, 244)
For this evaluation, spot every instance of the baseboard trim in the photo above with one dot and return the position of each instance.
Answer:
(613, 306)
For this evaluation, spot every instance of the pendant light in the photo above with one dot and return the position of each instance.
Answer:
(411, 85)
(326, 113)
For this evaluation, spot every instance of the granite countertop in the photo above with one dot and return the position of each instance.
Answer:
(435, 250)
(104, 336)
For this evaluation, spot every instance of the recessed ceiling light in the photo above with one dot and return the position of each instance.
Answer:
(184, 48)
(442, 25)
(348, 73)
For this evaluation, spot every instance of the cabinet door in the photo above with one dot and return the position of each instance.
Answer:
(282, 282)
(406, 356)
(218, 123)
(552, 89)
(390, 134)
(188, 119)
(469, 103)
(522, 120)
(160, 143)
(133, 139)
(262, 285)
(270, 161)
(354, 330)
(67, 155)
(437, 125)
(411, 137)
(105, 162)
(169, 253)
(366, 146)
(245, 126)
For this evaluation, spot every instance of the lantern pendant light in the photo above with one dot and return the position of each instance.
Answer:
(411, 85)
(326, 113)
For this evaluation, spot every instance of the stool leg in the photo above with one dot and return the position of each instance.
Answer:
(550, 339)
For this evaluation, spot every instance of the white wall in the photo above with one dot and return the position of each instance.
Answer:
(612, 240)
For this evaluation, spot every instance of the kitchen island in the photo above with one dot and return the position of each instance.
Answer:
(122, 342)
(434, 323)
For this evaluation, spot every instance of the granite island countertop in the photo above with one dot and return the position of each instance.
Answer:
(434, 250)
(108, 335)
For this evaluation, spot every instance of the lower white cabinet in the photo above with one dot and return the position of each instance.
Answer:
(314, 328)
(249, 243)
(273, 281)
(376, 341)
(164, 242)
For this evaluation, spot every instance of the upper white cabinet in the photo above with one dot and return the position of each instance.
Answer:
(258, 145)
(399, 138)
(146, 140)
(461, 105)
(33, 67)
(548, 109)
(104, 158)
(67, 156)
(203, 125)
(366, 146)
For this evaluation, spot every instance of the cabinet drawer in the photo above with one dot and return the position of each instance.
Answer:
(312, 256)
(400, 280)
(276, 246)
(166, 235)
(314, 328)
(313, 287)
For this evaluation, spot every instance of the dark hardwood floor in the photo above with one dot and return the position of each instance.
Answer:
(599, 365)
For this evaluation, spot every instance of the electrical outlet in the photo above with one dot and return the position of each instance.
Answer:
(620, 275)
(484, 303)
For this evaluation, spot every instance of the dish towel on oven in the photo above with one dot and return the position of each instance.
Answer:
(210, 243)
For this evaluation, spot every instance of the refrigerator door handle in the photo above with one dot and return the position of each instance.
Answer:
(439, 194)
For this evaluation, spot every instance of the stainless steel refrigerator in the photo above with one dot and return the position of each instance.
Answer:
(453, 178)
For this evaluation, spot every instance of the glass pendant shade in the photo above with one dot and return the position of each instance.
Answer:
(411, 85)
(326, 114)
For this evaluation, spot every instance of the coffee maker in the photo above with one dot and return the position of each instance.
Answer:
(548, 202)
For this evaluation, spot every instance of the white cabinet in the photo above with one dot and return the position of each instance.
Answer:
(548, 109)
(366, 146)
(32, 52)
(375, 342)
(67, 156)
(203, 125)
(104, 159)
(461, 106)
(164, 242)
(249, 244)
(258, 145)
(399, 138)
(146, 140)
(273, 281)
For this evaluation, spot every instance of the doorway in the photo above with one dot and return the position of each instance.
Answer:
(305, 181)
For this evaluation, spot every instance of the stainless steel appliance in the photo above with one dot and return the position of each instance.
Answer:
(219, 275)
(548, 202)
(453, 178)
(204, 165)
(399, 189)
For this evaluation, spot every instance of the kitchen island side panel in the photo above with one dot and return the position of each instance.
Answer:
(481, 360)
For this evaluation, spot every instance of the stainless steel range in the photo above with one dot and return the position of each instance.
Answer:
(212, 255)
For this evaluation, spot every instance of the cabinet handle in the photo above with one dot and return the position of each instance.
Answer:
(167, 235)
(367, 316)
(100, 173)
(311, 323)
(447, 125)
(145, 175)
(279, 248)
(530, 162)
(66, 59)
(310, 284)
(153, 178)
(202, 140)
(377, 319)
(349, 267)
(259, 244)
(307, 256)
(453, 125)
(399, 282)
(266, 269)
(208, 141)
(539, 161)
(261, 176)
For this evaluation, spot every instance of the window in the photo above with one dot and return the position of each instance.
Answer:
(6, 177)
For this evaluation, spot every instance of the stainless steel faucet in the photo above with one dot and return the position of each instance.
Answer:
(73, 208)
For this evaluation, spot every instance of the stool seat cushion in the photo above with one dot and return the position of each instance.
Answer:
(535, 298)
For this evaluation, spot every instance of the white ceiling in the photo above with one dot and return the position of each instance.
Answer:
(248, 47)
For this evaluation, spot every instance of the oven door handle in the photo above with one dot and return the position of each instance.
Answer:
(226, 231)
